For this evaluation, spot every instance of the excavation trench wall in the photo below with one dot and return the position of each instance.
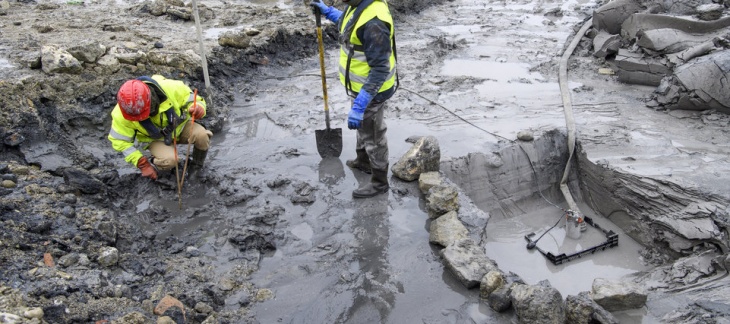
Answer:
(675, 218)
(503, 182)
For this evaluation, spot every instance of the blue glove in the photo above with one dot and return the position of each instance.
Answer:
(354, 119)
(317, 4)
(331, 13)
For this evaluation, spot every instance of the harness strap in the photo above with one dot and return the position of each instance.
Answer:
(151, 129)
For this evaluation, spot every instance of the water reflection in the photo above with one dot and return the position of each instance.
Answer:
(375, 289)
(331, 171)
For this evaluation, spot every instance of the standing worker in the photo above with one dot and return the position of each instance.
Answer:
(367, 70)
(157, 111)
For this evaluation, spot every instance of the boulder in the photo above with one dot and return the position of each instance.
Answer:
(615, 295)
(424, 156)
(671, 40)
(88, 51)
(538, 304)
(500, 300)
(55, 60)
(605, 44)
(635, 68)
(442, 199)
(428, 180)
(710, 11)
(610, 16)
(682, 7)
(83, 181)
(235, 39)
(447, 229)
(467, 261)
(108, 256)
(491, 281)
(694, 86)
(582, 309)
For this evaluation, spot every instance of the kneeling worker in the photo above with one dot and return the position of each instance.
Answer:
(157, 111)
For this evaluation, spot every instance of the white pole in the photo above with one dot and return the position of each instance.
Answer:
(202, 47)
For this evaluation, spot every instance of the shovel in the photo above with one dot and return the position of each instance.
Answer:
(329, 140)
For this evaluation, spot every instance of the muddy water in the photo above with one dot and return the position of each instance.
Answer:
(341, 260)
(507, 246)
(369, 261)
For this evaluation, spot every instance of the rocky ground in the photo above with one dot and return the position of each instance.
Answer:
(72, 250)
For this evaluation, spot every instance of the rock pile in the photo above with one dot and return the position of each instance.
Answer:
(678, 46)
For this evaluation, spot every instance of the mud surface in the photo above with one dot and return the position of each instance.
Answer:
(270, 233)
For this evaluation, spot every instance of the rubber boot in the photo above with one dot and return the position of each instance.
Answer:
(361, 162)
(378, 184)
(198, 160)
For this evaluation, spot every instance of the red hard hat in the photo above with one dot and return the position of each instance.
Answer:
(133, 99)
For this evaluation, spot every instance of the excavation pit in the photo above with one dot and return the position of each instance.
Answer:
(524, 203)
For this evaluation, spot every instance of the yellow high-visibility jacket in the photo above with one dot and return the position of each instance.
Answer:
(352, 54)
(124, 132)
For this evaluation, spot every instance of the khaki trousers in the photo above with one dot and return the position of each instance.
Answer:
(164, 155)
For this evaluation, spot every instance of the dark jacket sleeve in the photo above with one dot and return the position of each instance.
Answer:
(375, 36)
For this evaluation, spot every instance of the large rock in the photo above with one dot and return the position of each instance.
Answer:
(107, 64)
(468, 262)
(428, 180)
(694, 86)
(88, 51)
(635, 68)
(682, 7)
(605, 44)
(582, 309)
(670, 40)
(187, 61)
(447, 229)
(83, 181)
(442, 199)
(424, 156)
(538, 304)
(56, 60)
(492, 281)
(108, 256)
(614, 295)
(610, 16)
(710, 11)
(500, 300)
(236, 39)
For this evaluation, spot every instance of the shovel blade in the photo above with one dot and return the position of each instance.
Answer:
(329, 142)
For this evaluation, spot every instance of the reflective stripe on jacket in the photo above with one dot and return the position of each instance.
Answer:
(124, 132)
(352, 52)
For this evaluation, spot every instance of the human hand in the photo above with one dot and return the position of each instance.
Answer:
(197, 111)
(354, 119)
(318, 5)
(148, 170)
(361, 102)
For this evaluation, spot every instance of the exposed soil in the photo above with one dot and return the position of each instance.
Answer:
(86, 239)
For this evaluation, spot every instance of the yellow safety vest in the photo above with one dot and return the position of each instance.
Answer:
(352, 56)
(124, 132)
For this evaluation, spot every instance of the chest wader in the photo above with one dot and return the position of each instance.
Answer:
(379, 180)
